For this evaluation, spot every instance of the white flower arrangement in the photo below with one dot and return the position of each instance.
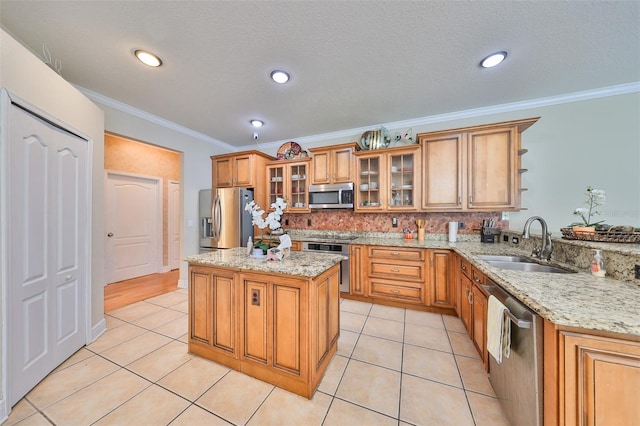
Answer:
(272, 220)
(595, 198)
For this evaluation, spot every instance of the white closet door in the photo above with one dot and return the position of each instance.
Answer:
(47, 261)
(174, 225)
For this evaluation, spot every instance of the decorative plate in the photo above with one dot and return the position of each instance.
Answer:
(289, 151)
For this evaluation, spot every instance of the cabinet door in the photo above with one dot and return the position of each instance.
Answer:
(442, 179)
(465, 302)
(224, 313)
(440, 288)
(298, 184)
(601, 381)
(242, 171)
(341, 165)
(357, 272)
(289, 329)
(321, 167)
(370, 183)
(479, 308)
(200, 301)
(404, 180)
(223, 172)
(276, 182)
(492, 168)
(255, 321)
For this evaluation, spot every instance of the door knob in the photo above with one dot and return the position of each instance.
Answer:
(110, 234)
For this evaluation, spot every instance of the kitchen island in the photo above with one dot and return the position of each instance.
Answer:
(277, 321)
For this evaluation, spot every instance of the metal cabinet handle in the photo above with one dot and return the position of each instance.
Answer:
(463, 267)
(395, 291)
(395, 253)
(395, 270)
(470, 298)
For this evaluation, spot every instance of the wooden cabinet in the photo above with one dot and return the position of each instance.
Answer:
(440, 288)
(333, 164)
(465, 288)
(473, 306)
(243, 169)
(357, 271)
(289, 180)
(397, 274)
(279, 329)
(474, 168)
(388, 180)
(597, 379)
(479, 302)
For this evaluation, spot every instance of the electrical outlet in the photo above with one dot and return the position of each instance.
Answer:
(505, 238)
(394, 222)
(255, 297)
(308, 222)
(460, 225)
(515, 240)
(286, 222)
(505, 215)
(637, 270)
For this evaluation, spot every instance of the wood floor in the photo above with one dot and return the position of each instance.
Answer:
(124, 293)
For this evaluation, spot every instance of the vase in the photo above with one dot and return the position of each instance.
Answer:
(584, 231)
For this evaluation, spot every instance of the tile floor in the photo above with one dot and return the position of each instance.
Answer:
(393, 367)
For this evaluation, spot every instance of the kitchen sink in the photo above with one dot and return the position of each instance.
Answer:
(528, 266)
(504, 258)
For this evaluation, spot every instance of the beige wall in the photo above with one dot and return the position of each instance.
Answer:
(27, 77)
(126, 155)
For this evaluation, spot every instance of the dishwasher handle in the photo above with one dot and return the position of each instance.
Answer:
(517, 321)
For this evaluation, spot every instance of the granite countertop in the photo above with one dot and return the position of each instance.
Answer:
(570, 300)
(301, 264)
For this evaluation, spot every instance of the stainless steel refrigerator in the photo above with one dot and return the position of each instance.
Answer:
(224, 223)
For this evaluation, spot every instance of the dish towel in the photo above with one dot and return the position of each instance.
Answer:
(498, 330)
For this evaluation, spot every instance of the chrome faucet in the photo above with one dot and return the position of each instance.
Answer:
(543, 252)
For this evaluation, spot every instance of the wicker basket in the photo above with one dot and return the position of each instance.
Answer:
(614, 234)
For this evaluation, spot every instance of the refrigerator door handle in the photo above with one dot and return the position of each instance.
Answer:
(217, 217)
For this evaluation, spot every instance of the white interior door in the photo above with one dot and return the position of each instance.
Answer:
(47, 232)
(133, 240)
(174, 225)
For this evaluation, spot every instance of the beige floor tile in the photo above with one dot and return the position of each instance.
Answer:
(196, 416)
(235, 397)
(184, 338)
(431, 364)
(386, 329)
(352, 322)
(161, 362)
(355, 307)
(57, 386)
(371, 386)
(77, 357)
(424, 319)
(168, 299)
(134, 311)
(126, 353)
(176, 328)
(193, 378)
(427, 337)
(333, 375)
(97, 400)
(285, 408)
(157, 319)
(36, 419)
(181, 307)
(429, 403)
(20, 411)
(387, 312)
(152, 406)
(486, 411)
(115, 337)
(344, 413)
(182, 291)
(347, 342)
(452, 323)
(381, 352)
(474, 378)
(462, 345)
(113, 322)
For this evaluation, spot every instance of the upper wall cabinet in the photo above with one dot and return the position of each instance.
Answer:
(289, 180)
(333, 164)
(243, 169)
(473, 169)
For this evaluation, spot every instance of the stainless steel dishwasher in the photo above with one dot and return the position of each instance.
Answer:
(517, 381)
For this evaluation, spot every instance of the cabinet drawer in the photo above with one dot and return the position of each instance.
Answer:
(399, 271)
(397, 253)
(465, 267)
(477, 276)
(406, 293)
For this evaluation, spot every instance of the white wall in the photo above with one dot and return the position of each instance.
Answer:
(26, 76)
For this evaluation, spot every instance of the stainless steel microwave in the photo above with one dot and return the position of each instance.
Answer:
(331, 196)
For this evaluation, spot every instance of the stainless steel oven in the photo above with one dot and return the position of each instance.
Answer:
(332, 246)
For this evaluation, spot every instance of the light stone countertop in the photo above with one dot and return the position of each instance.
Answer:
(301, 264)
(571, 300)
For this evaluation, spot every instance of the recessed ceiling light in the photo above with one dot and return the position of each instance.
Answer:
(148, 58)
(280, 76)
(256, 123)
(493, 59)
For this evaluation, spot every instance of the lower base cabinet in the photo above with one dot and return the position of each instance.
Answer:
(280, 329)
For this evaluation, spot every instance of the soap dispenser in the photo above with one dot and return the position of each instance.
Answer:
(249, 245)
(597, 265)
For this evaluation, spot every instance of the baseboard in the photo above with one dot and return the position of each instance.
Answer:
(183, 284)
(98, 330)
(165, 269)
(4, 414)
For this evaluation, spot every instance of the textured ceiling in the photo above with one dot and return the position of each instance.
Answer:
(353, 63)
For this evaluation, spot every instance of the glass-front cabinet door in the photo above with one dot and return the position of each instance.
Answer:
(298, 187)
(403, 169)
(276, 181)
(370, 182)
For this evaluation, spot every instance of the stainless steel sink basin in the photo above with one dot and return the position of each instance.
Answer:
(529, 267)
(488, 257)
